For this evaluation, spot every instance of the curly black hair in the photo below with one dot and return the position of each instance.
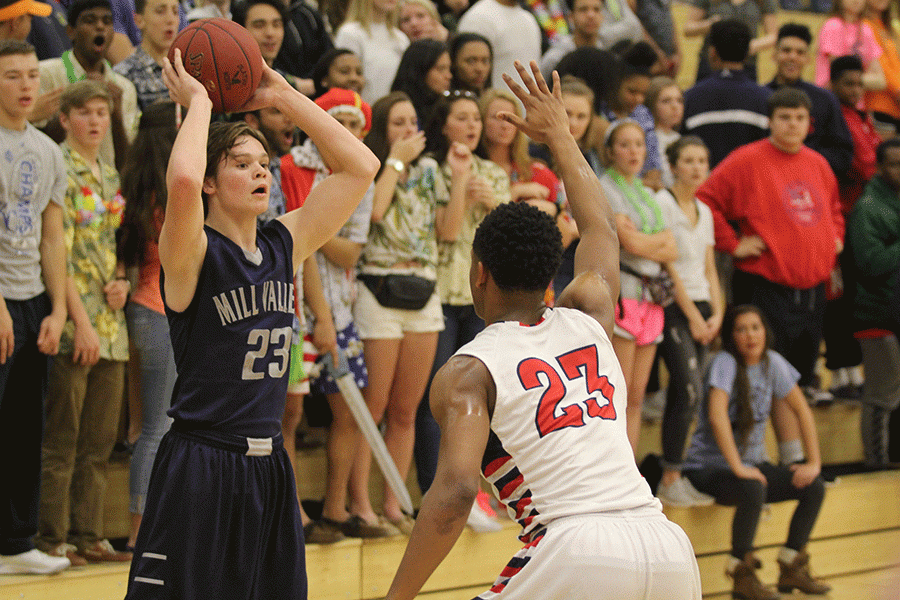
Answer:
(520, 246)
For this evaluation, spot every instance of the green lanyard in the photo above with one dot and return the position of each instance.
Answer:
(70, 68)
(637, 196)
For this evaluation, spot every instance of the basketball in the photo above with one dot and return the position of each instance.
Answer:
(224, 57)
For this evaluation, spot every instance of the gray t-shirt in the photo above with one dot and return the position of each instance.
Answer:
(32, 173)
(770, 378)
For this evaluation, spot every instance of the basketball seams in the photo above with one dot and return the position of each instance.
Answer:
(212, 56)
(237, 42)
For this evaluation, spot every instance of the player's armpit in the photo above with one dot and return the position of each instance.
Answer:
(590, 293)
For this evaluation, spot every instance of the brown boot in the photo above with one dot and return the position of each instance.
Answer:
(796, 575)
(747, 585)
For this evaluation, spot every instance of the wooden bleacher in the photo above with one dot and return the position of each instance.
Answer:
(855, 544)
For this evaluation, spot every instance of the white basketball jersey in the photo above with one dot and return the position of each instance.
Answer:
(558, 445)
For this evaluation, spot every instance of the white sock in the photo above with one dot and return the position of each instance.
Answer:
(856, 375)
(840, 377)
(731, 564)
(790, 452)
(787, 555)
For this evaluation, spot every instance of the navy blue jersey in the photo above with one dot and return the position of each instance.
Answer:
(233, 343)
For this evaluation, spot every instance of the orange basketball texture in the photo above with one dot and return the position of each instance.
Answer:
(224, 57)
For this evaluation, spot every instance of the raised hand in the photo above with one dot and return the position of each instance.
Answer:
(545, 114)
(459, 157)
(183, 87)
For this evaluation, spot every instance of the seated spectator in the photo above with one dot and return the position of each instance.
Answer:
(338, 68)
(693, 319)
(703, 14)
(419, 19)
(885, 104)
(873, 234)
(829, 137)
(158, 22)
(144, 190)
(846, 33)
(471, 58)
(626, 100)
(727, 109)
(306, 39)
(90, 29)
(513, 32)
(585, 17)
(424, 75)
(666, 104)
(87, 378)
(647, 244)
(370, 32)
(784, 200)
(727, 457)
(619, 25)
(48, 34)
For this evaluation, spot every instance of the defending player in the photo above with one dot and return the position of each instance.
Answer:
(537, 400)
(222, 519)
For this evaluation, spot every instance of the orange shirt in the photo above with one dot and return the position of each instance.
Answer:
(886, 101)
(147, 292)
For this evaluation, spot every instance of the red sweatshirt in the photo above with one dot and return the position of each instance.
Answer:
(789, 200)
(865, 141)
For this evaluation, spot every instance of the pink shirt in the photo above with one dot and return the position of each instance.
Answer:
(838, 38)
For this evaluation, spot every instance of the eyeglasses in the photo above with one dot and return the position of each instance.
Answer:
(461, 94)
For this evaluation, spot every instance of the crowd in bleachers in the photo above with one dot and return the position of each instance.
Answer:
(783, 195)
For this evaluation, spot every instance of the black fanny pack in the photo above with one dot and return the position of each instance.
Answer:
(408, 292)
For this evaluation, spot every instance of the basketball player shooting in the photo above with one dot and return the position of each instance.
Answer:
(221, 518)
(537, 403)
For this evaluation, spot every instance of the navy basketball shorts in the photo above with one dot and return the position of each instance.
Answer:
(221, 521)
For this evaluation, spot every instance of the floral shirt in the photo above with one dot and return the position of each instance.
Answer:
(93, 210)
(406, 232)
(454, 258)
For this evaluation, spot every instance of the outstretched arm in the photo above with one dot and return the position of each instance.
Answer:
(353, 166)
(596, 283)
(460, 395)
(182, 241)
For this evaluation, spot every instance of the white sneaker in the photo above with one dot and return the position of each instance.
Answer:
(480, 521)
(700, 499)
(32, 562)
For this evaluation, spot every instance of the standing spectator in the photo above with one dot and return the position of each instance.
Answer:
(306, 39)
(419, 19)
(784, 199)
(828, 134)
(843, 354)
(704, 14)
(885, 104)
(158, 22)
(32, 302)
(513, 32)
(873, 233)
(626, 101)
(424, 75)
(846, 33)
(656, 18)
(471, 58)
(694, 319)
(87, 379)
(551, 16)
(727, 457)
(144, 190)
(646, 244)
(16, 17)
(727, 109)
(585, 17)
(48, 33)
(338, 68)
(370, 31)
(455, 127)
(666, 103)
(399, 343)
(90, 29)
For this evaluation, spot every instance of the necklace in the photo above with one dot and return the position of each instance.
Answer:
(638, 197)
